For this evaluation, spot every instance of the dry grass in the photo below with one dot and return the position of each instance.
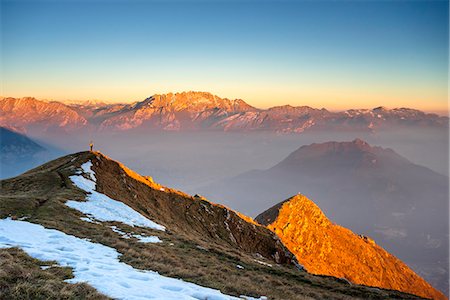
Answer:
(22, 278)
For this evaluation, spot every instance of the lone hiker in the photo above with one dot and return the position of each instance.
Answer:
(91, 145)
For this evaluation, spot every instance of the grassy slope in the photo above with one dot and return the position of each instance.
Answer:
(39, 195)
(21, 277)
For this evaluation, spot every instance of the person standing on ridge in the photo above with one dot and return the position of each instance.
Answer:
(91, 145)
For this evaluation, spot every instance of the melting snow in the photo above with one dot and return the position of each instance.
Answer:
(147, 239)
(103, 208)
(123, 234)
(99, 265)
(87, 169)
(86, 219)
(141, 238)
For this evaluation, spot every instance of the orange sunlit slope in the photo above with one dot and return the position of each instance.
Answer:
(328, 249)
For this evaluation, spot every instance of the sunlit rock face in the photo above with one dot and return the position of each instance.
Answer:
(29, 114)
(323, 247)
(176, 111)
(201, 111)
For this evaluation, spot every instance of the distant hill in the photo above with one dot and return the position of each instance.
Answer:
(18, 144)
(94, 222)
(203, 111)
(370, 190)
(329, 249)
(18, 153)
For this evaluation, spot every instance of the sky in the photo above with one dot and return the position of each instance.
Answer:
(332, 54)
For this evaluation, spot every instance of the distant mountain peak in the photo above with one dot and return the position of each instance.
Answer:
(348, 155)
(317, 149)
(193, 100)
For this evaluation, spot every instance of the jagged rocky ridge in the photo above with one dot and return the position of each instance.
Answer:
(203, 111)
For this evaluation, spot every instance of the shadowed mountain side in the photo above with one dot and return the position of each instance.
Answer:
(14, 142)
(370, 190)
(185, 214)
(328, 249)
(19, 153)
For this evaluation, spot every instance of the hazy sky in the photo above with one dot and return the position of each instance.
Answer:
(334, 54)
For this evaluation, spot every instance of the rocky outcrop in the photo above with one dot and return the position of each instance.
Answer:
(328, 249)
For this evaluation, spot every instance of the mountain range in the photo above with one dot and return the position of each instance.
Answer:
(86, 226)
(368, 189)
(201, 111)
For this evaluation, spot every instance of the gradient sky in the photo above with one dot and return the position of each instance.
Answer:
(333, 54)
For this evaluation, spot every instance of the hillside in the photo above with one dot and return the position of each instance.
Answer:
(203, 111)
(18, 153)
(408, 203)
(119, 222)
(328, 249)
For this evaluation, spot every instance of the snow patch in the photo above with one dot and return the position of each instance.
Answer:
(87, 219)
(147, 239)
(99, 265)
(102, 208)
(86, 167)
(142, 239)
(120, 232)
